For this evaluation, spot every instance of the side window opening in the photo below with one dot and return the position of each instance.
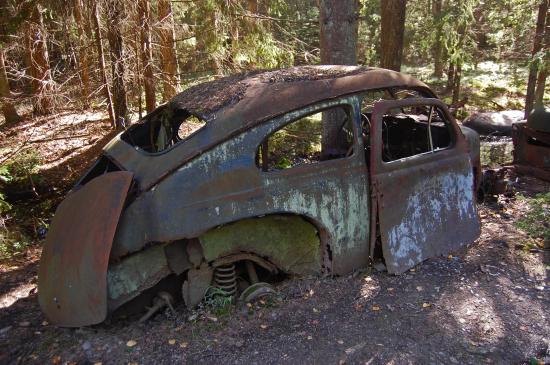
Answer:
(300, 142)
(162, 129)
(414, 130)
(407, 142)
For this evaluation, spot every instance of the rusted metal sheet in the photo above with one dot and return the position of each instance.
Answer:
(72, 277)
(224, 185)
(261, 101)
(531, 151)
(426, 203)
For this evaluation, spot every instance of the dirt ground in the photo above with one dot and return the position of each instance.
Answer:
(487, 303)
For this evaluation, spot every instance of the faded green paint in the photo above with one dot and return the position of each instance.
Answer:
(290, 242)
(136, 273)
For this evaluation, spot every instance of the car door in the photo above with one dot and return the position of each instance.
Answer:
(422, 182)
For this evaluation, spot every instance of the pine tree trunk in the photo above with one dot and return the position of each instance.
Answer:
(392, 33)
(147, 54)
(114, 35)
(167, 49)
(101, 60)
(543, 72)
(42, 85)
(338, 34)
(438, 43)
(338, 38)
(8, 108)
(84, 67)
(252, 6)
(537, 46)
(456, 84)
(450, 76)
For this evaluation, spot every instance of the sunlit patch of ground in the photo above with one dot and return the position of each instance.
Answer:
(57, 138)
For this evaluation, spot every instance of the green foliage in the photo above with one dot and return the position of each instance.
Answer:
(218, 302)
(300, 139)
(369, 32)
(234, 40)
(21, 167)
(536, 222)
(12, 243)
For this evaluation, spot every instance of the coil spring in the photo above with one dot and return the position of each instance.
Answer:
(225, 278)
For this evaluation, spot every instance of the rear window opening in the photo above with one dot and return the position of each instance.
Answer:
(162, 129)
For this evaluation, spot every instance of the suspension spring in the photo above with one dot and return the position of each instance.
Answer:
(226, 279)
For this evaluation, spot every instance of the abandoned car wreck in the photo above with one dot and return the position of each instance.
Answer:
(233, 182)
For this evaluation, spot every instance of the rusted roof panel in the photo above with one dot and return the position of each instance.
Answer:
(261, 94)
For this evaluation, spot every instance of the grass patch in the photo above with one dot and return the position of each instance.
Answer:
(536, 222)
(217, 302)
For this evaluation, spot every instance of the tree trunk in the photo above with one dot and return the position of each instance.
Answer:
(338, 33)
(42, 85)
(147, 54)
(392, 33)
(263, 8)
(101, 60)
(167, 49)
(252, 6)
(456, 84)
(137, 73)
(543, 72)
(537, 46)
(8, 109)
(83, 64)
(114, 35)
(438, 43)
(450, 76)
(338, 38)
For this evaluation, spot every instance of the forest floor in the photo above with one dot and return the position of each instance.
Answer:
(487, 303)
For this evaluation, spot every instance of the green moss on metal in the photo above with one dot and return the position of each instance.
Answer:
(290, 242)
(136, 273)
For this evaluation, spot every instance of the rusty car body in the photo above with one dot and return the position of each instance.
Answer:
(398, 182)
(532, 144)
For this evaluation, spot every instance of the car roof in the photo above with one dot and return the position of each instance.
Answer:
(255, 96)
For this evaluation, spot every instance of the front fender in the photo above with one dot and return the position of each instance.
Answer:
(72, 277)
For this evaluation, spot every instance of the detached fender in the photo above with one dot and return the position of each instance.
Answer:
(72, 277)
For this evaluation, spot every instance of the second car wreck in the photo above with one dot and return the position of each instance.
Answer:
(217, 188)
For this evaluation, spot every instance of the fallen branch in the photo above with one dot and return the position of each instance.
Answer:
(58, 138)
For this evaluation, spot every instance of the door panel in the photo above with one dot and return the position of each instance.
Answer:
(426, 205)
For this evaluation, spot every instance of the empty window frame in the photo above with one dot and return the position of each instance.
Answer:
(301, 142)
(162, 129)
(414, 130)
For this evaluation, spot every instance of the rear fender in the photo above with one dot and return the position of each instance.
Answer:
(72, 277)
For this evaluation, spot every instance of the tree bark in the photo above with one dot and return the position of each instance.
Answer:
(167, 49)
(338, 37)
(392, 32)
(252, 6)
(101, 60)
(456, 84)
(144, 12)
(114, 35)
(543, 72)
(450, 76)
(84, 67)
(537, 46)
(438, 42)
(8, 108)
(42, 85)
(338, 33)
